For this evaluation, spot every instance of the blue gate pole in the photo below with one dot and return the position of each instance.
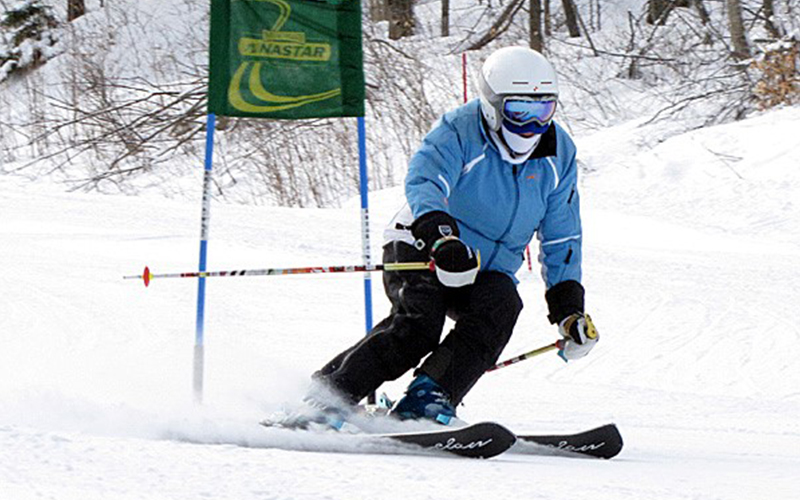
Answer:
(367, 253)
(197, 379)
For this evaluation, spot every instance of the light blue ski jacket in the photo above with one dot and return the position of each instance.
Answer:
(500, 206)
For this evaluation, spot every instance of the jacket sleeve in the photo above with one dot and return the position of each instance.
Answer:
(434, 169)
(560, 233)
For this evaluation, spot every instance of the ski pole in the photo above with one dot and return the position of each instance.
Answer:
(392, 266)
(527, 355)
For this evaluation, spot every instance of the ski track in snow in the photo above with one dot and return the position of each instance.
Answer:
(694, 297)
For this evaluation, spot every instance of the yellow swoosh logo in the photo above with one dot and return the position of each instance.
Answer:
(257, 88)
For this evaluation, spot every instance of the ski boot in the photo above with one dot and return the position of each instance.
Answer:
(381, 407)
(425, 399)
(322, 409)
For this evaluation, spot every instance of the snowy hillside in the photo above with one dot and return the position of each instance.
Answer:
(692, 269)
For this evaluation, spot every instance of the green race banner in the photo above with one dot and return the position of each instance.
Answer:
(287, 59)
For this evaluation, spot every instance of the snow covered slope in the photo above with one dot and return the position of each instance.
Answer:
(692, 269)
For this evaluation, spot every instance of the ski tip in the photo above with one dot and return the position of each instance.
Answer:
(618, 443)
(612, 442)
(146, 276)
(601, 442)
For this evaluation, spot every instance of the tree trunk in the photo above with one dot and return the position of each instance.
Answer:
(572, 18)
(658, 11)
(591, 15)
(401, 18)
(535, 22)
(769, 24)
(547, 26)
(499, 27)
(378, 11)
(736, 24)
(445, 17)
(702, 11)
(587, 33)
(75, 9)
(599, 16)
(700, 7)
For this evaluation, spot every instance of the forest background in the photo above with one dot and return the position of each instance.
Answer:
(110, 95)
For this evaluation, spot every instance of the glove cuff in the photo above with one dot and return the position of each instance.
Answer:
(431, 226)
(456, 279)
(564, 299)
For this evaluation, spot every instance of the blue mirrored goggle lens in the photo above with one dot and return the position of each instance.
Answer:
(521, 112)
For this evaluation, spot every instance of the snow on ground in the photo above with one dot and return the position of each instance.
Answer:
(691, 266)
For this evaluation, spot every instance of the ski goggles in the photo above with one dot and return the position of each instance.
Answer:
(527, 114)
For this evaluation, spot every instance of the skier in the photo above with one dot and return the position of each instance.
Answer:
(489, 175)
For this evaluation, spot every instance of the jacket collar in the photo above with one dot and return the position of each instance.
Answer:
(548, 146)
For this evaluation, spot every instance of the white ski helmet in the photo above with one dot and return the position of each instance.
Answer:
(513, 71)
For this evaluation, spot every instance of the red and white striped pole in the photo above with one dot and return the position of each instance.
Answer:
(147, 276)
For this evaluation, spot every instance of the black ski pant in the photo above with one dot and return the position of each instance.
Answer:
(485, 314)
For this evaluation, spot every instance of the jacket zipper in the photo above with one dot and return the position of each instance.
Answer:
(510, 221)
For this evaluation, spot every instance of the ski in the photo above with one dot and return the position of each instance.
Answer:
(481, 440)
(601, 442)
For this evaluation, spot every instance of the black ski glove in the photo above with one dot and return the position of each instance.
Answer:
(430, 227)
(456, 264)
(563, 299)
